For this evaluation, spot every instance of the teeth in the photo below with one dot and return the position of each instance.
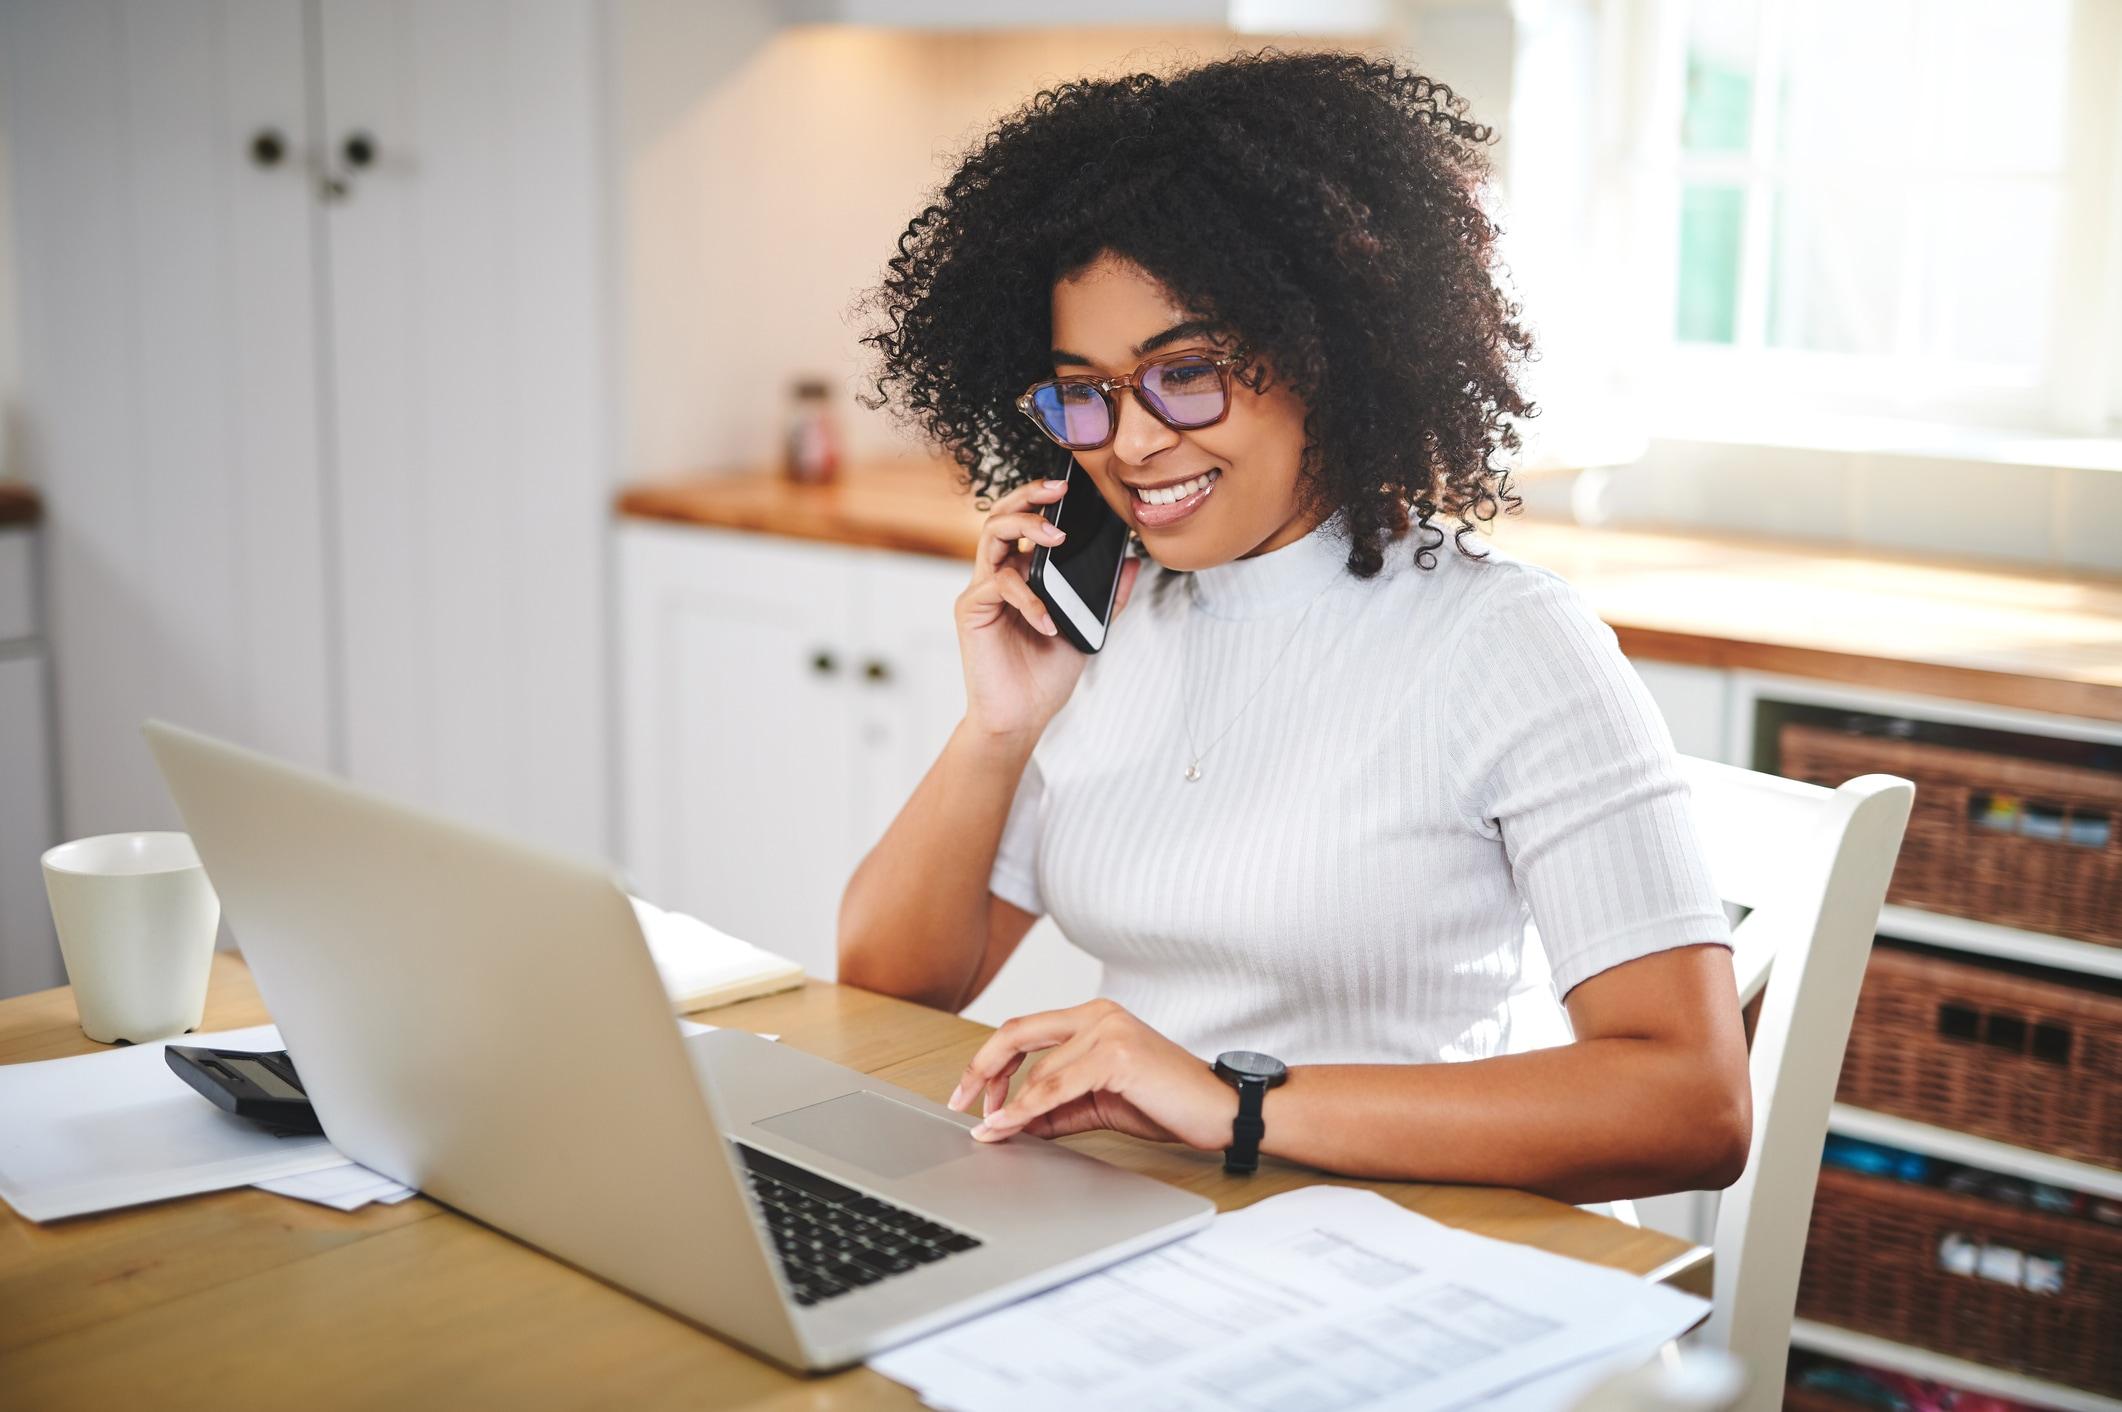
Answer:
(1172, 495)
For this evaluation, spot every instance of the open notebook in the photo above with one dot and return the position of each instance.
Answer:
(702, 966)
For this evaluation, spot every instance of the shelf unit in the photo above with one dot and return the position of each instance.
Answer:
(1988, 939)
(1956, 1146)
(1745, 693)
(1940, 1367)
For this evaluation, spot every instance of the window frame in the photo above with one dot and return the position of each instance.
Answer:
(2076, 389)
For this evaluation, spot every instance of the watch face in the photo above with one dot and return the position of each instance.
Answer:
(1245, 1064)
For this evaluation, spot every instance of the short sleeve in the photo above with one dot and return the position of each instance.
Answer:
(1015, 878)
(1559, 751)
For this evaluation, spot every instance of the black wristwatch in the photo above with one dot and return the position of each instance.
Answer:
(1252, 1075)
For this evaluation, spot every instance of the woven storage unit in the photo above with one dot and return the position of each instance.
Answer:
(1951, 862)
(2035, 1063)
(1871, 1264)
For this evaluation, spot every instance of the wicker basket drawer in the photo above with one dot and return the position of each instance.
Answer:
(2022, 843)
(1872, 1264)
(2032, 1062)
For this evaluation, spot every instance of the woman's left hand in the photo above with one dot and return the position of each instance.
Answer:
(1101, 1068)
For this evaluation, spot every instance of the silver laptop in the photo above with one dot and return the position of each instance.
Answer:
(482, 1021)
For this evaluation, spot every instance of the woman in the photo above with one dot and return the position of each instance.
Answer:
(1305, 797)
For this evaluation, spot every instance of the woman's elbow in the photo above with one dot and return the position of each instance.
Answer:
(867, 961)
(1724, 1134)
(855, 954)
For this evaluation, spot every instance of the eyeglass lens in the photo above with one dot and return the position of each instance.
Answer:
(1183, 393)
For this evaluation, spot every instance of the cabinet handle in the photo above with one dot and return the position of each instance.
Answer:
(824, 663)
(357, 152)
(267, 147)
(876, 671)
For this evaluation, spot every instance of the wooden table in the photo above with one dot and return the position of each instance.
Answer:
(239, 1298)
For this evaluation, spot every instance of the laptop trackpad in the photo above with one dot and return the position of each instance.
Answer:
(872, 1132)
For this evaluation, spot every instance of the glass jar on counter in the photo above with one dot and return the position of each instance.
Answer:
(812, 447)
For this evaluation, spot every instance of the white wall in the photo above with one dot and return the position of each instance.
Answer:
(766, 177)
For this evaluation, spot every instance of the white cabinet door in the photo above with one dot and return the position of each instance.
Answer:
(909, 689)
(737, 740)
(168, 340)
(780, 701)
(466, 354)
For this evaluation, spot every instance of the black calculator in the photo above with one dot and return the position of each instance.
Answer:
(261, 1087)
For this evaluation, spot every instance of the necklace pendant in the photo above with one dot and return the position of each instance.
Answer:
(1193, 772)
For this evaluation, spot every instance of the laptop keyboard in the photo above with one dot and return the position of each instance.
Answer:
(832, 1238)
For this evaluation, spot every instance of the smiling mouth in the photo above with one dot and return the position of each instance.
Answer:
(1173, 494)
(1166, 506)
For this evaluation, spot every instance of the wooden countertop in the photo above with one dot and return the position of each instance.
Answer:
(19, 504)
(413, 1305)
(908, 505)
(1960, 630)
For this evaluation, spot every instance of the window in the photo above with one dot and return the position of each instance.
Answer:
(1898, 206)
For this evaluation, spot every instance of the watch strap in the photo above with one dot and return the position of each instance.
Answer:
(1246, 1130)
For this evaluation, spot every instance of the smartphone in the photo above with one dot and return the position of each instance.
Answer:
(1078, 578)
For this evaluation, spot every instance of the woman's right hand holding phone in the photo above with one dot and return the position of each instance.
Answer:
(1019, 670)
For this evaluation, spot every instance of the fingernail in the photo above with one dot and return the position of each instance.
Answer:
(1056, 484)
(1052, 534)
(1046, 624)
(979, 1130)
(957, 1097)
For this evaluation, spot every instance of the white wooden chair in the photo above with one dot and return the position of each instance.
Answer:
(1812, 864)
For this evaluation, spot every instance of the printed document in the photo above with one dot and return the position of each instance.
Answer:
(1326, 1298)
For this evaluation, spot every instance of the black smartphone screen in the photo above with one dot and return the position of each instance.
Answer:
(1090, 557)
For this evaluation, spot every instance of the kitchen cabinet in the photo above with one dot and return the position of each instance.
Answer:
(738, 744)
(312, 348)
(781, 700)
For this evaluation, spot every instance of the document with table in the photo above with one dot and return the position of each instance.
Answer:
(1327, 1297)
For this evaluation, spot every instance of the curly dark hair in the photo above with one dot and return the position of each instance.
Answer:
(1321, 208)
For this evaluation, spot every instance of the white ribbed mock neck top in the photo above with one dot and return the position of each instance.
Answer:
(1437, 757)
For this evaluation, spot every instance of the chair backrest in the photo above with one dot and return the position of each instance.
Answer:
(1812, 865)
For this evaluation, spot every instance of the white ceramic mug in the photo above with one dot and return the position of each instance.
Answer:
(136, 919)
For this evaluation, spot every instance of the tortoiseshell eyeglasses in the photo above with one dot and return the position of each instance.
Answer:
(1185, 391)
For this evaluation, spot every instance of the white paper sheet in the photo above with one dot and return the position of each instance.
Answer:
(697, 961)
(117, 1128)
(347, 1187)
(1329, 1298)
(1569, 1386)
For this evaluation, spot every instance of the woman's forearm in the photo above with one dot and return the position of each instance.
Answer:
(914, 918)
(1589, 1121)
